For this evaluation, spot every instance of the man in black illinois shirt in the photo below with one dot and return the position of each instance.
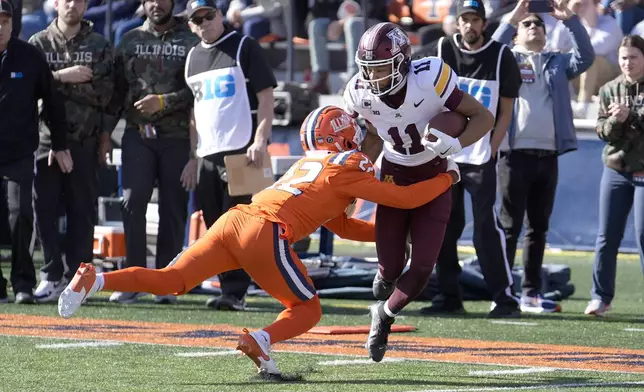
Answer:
(24, 79)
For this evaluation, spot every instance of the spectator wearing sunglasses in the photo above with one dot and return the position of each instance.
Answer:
(151, 93)
(232, 85)
(541, 129)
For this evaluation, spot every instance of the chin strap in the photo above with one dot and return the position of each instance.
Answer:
(399, 87)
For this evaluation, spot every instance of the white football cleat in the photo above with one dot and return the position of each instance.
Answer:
(258, 349)
(83, 286)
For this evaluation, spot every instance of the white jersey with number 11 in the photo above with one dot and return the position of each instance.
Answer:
(430, 82)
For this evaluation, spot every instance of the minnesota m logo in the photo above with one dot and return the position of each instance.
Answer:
(398, 39)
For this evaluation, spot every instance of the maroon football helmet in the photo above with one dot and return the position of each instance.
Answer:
(384, 44)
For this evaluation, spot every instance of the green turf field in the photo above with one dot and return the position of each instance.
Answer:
(43, 362)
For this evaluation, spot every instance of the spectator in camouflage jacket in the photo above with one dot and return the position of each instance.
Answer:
(82, 65)
(152, 95)
(621, 124)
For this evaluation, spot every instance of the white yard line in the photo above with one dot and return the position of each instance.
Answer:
(634, 329)
(514, 322)
(317, 354)
(99, 343)
(207, 353)
(542, 386)
(359, 361)
(510, 371)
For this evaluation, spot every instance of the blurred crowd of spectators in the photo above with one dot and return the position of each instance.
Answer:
(322, 21)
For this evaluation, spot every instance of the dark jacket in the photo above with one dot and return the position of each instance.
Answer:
(25, 78)
(150, 62)
(84, 102)
(625, 148)
(16, 19)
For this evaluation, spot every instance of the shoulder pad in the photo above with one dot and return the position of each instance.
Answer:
(432, 73)
(355, 83)
(427, 71)
(353, 160)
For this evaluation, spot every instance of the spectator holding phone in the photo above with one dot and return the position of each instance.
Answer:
(620, 124)
(541, 129)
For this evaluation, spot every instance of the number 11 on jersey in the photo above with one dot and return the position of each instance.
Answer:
(414, 147)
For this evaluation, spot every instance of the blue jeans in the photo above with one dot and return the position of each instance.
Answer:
(617, 194)
(33, 23)
(353, 29)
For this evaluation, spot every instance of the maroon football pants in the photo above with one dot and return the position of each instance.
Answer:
(426, 225)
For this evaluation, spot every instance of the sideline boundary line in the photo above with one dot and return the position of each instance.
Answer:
(402, 359)
(540, 386)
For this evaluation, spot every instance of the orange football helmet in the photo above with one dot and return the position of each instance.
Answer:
(330, 128)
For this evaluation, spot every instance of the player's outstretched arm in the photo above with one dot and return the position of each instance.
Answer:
(407, 197)
(360, 230)
(352, 229)
(357, 180)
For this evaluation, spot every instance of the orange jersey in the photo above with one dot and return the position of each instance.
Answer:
(316, 190)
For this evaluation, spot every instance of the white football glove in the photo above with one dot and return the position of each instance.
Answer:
(453, 166)
(444, 146)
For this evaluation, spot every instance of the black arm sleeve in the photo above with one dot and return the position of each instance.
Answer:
(255, 66)
(510, 75)
(53, 108)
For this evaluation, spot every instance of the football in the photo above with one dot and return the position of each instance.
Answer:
(450, 123)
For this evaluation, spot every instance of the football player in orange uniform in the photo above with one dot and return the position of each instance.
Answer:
(257, 237)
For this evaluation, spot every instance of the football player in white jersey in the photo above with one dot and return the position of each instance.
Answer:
(397, 98)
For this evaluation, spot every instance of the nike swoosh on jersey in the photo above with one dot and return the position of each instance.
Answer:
(418, 104)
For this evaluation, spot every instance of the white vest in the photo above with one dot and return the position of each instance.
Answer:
(222, 111)
(487, 93)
